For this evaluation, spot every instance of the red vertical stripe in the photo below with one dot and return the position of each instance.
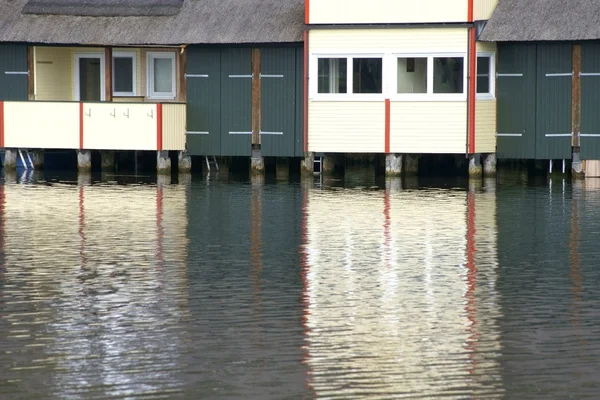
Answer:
(159, 128)
(306, 90)
(80, 126)
(1, 124)
(472, 88)
(307, 12)
(387, 125)
(470, 12)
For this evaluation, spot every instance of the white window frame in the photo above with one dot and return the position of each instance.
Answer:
(430, 95)
(150, 57)
(349, 95)
(76, 85)
(133, 56)
(492, 93)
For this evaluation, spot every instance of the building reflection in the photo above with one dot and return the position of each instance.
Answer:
(400, 292)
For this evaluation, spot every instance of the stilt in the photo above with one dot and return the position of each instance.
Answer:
(10, 159)
(84, 160)
(411, 164)
(328, 164)
(107, 160)
(163, 162)
(38, 159)
(282, 168)
(307, 165)
(475, 170)
(184, 162)
(489, 165)
(577, 170)
(393, 165)
(257, 163)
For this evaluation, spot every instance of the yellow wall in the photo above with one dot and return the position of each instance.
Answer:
(53, 73)
(485, 126)
(483, 9)
(387, 11)
(103, 131)
(416, 40)
(41, 125)
(174, 122)
(346, 127)
(486, 46)
(428, 127)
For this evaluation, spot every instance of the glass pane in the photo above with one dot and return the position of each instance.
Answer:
(163, 75)
(483, 74)
(367, 75)
(332, 75)
(123, 74)
(412, 75)
(89, 79)
(448, 75)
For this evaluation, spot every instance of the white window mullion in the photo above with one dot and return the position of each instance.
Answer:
(350, 77)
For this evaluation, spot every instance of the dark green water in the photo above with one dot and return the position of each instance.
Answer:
(348, 288)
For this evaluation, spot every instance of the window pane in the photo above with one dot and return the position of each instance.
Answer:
(123, 74)
(483, 74)
(163, 75)
(367, 75)
(412, 75)
(332, 75)
(448, 75)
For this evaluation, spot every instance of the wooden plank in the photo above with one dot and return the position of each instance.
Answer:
(256, 98)
(31, 72)
(576, 100)
(182, 95)
(108, 73)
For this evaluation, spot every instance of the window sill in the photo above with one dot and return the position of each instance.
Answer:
(348, 98)
(485, 96)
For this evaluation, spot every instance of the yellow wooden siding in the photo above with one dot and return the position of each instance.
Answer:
(428, 127)
(387, 11)
(174, 117)
(119, 126)
(486, 47)
(346, 127)
(483, 9)
(485, 126)
(53, 73)
(417, 40)
(41, 125)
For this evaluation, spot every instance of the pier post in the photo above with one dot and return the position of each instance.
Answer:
(577, 170)
(307, 165)
(184, 162)
(282, 168)
(84, 160)
(411, 164)
(257, 163)
(163, 162)
(329, 164)
(393, 164)
(475, 169)
(107, 160)
(10, 159)
(38, 159)
(489, 165)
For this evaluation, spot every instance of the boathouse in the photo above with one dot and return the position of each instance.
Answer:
(213, 78)
(548, 79)
(400, 78)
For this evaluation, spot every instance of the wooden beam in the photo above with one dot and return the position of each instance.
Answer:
(256, 99)
(30, 72)
(576, 96)
(182, 54)
(108, 73)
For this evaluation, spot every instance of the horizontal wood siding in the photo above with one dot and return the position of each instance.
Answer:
(415, 40)
(387, 11)
(53, 73)
(173, 126)
(41, 125)
(346, 127)
(428, 127)
(116, 126)
(485, 126)
(487, 47)
(483, 9)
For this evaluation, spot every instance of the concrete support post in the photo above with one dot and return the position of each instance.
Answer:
(489, 165)
(307, 165)
(10, 159)
(577, 170)
(257, 163)
(84, 160)
(411, 164)
(475, 169)
(184, 162)
(393, 164)
(328, 166)
(282, 169)
(163, 162)
(107, 160)
(37, 157)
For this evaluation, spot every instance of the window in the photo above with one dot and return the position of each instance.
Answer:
(448, 74)
(124, 74)
(485, 75)
(368, 75)
(161, 75)
(332, 75)
(412, 75)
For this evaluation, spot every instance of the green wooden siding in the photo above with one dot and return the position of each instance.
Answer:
(204, 101)
(278, 109)
(516, 100)
(13, 68)
(554, 97)
(299, 117)
(590, 101)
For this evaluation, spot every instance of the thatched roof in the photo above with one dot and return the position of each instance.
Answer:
(198, 21)
(103, 8)
(544, 20)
